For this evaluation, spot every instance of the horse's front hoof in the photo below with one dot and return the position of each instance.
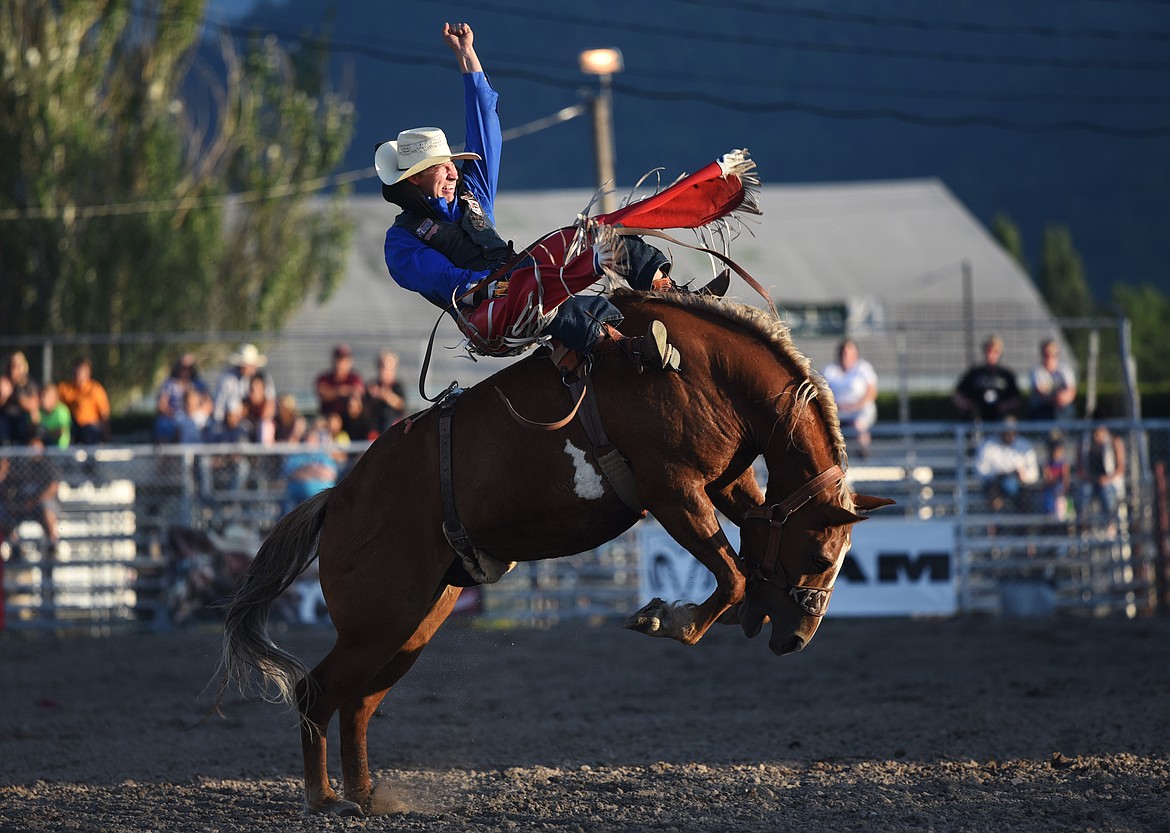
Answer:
(651, 620)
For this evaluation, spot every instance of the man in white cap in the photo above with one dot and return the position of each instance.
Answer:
(444, 242)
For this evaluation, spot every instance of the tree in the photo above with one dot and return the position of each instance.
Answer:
(1061, 275)
(1148, 309)
(148, 184)
(1007, 234)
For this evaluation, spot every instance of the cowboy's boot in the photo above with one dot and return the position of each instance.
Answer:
(718, 286)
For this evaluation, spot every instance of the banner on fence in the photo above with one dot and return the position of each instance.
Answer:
(894, 568)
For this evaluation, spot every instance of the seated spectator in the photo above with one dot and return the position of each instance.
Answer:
(357, 421)
(854, 384)
(19, 402)
(169, 406)
(1057, 475)
(56, 422)
(88, 404)
(194, 424)
(259, 413)
(28, 492)
(312, 470)
(1052, 385)
(988, 392)
(336, 427)
(385, 397)
(1006, 463)
(290, 425)
(337, 384)
(1101, 472)
(229, 408)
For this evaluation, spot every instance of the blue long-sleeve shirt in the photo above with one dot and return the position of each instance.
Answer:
(412, 263)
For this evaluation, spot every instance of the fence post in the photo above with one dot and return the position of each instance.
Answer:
(964, 557)
(1162, 545)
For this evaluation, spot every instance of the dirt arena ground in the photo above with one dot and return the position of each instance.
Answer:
(964, 725)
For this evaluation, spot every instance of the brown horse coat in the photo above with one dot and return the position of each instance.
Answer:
(690, 439)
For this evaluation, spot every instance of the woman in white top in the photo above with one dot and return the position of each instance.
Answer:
(854, 384)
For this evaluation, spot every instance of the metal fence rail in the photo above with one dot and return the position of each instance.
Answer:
(148, 535)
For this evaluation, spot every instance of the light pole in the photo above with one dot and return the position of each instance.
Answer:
(603, 63)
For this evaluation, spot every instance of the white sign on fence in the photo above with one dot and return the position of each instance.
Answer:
(894, 568)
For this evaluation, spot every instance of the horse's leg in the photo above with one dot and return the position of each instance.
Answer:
(343, 671)
(358, 655)
(734, 501)
(690, 519)
(355, 713)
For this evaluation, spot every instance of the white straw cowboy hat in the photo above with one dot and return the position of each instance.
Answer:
(248, 355)
(415, 151)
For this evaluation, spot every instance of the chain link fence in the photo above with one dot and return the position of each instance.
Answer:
(154, 536)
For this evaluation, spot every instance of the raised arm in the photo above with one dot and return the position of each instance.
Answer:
(462, 42)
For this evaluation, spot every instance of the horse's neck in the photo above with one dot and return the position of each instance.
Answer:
(800, 448)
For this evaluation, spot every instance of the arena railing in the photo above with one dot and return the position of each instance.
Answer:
(153, 536)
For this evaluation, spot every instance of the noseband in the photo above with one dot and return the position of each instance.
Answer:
(812, 600)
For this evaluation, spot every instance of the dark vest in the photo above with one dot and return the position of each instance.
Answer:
(472, 243)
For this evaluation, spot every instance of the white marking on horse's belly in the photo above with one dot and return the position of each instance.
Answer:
(587, 481)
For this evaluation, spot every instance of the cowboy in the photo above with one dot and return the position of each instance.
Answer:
(444, 244)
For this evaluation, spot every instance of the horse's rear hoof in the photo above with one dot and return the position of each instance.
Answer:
(338, 807)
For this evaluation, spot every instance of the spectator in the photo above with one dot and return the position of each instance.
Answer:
(28, 492)
(1006, 463)
(18, 402)
(988, 392)
(88, 404)
(385, 397)
(1057, 477)
(854, 384)
(171, 394)
(357, 422)
(337, 384)
(259, 413)
(55, 421)
(194, 423)
(335, 424)
(311, 470)
(290, 425)
(1101, 471)
(229, 405)
(1052, 385)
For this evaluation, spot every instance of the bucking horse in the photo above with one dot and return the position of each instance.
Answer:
(458, 493)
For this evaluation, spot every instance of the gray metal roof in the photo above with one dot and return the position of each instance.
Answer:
(893, 251)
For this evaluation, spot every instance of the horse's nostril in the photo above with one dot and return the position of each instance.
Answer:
(782, 647)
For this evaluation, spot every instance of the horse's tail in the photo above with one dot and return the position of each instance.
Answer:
(286, 553)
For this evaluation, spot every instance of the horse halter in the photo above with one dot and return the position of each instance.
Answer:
(812, 600)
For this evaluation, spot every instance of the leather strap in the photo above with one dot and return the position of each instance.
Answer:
(613, 465)
(778, 513)
(452, 527)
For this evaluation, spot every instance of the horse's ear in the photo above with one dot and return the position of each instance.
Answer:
(839, 516)
(867, 503)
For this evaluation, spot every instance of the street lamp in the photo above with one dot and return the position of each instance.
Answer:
(603, 63)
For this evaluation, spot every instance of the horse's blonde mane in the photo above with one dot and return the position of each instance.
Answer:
(773, 331)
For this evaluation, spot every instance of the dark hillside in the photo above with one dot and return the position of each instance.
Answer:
(1047, 111)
